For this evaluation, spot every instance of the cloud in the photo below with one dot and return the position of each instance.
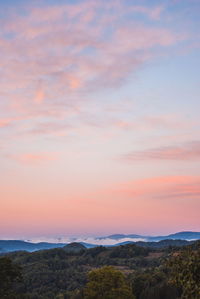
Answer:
(40, 94)
(51, 54)
(52, 128)
(184, 152)
(5, 123)
(34, 158)
(146, 123)
(153, 13)
(164, 187)
(90, 240)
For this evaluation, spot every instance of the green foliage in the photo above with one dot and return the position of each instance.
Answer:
(59, 273)
(128, 251)
(153, 284)
(9, 275)
(95, 251)
(185, 272)
(107, 283)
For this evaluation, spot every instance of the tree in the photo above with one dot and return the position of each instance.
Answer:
(185, 272)
(9, 274)
(107, 283)
(152, 284)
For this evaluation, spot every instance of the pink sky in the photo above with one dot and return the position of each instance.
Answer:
(99, 118)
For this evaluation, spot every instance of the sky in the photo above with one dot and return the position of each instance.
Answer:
(99, 117)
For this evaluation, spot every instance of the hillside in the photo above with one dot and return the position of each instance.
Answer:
(50, 273)
(74, 247)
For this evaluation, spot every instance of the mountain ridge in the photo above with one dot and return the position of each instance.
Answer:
(20, 245)
(183, 235)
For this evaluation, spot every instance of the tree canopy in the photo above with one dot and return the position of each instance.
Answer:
(107, 282)
(9, 274)
(185, 272)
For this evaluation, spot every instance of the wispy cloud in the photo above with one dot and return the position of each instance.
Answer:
(52, 53)
(164, 187)
(34, 158)
(185, 152)
(51, 128)
(153, 13)
(5, 122)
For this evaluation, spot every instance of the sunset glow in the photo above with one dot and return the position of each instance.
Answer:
(99, 117)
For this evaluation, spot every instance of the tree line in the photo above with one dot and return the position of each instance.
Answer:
(121, 272)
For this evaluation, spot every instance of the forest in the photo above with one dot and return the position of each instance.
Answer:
(121, 272)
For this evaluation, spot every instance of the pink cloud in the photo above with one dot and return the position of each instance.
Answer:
(34, 158)
(164, 187)
(185, 152)
(5, 122)
(57, 55)
(146, 123)
(40, 94)
(57, 40)
(53, 128)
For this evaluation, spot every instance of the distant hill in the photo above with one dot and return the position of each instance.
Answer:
(186, 235)
(158, 244)
(16, 245)
(19, 245)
